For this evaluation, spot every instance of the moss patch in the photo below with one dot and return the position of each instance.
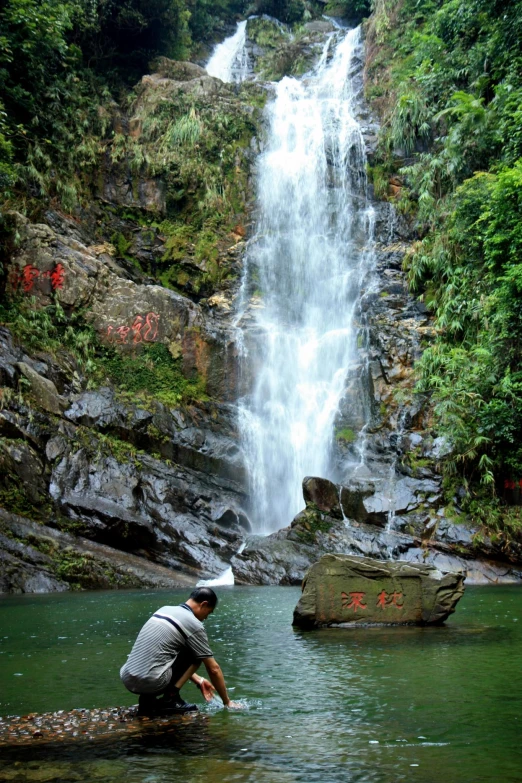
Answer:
(13, 497)
(345, 435)
(151, 373)
(311, 522)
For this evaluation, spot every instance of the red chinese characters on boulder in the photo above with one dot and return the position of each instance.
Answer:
(57, 277)
(137, 326)
(30, 275)
(144, 329)
(353, 601)
(385, 599)
(151, 327)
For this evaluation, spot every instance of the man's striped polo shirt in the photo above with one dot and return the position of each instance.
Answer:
(172, 628)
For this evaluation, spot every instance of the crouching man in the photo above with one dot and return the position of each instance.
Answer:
(169, 649)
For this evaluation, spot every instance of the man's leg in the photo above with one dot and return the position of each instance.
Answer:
(180, 682)
(182, 670)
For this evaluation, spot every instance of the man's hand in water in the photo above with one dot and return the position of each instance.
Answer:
(207, 689)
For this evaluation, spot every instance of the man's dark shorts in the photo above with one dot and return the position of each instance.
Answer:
(184, 660)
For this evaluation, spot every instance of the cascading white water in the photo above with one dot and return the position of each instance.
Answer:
(308, 258)
(229, 60)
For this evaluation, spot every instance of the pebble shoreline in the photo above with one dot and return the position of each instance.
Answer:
(80, 725)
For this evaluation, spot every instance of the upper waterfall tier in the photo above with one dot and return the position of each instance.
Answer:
(229, 60)
(312, 248)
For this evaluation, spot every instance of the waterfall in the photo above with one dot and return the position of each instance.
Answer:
(229, 60)
(311, 250)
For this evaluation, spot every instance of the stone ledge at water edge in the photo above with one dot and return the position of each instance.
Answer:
(348, 590)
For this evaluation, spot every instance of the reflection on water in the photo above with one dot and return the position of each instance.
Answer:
(379, 705)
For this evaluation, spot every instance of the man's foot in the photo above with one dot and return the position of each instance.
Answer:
(173, 704)
(147, 704)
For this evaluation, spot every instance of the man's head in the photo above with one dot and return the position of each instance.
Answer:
(202, 601)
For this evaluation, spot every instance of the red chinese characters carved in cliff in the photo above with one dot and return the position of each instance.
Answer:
(30, 275)
(144, 329)
(57, 277)
(353, 601)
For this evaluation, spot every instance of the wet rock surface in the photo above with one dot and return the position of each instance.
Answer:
(347, 528)
(347, 590)
(89, 477)
(163, 487)
(39, 559)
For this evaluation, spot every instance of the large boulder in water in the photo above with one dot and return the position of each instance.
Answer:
(349, 590)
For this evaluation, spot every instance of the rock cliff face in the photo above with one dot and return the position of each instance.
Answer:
(165, 485)
(110, 480)
(355, 520)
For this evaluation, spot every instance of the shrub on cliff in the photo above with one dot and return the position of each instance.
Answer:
(61, 61)
(446, 77)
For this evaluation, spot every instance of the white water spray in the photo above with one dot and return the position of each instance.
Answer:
(309, 256)
(226, 578)
(229, 61)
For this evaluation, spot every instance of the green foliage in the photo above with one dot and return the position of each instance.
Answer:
(502, 525)
(354, 10)
(452, 80)
(471, 273)
(283, 53)
(289, 11)
(79, 569)
(51, 118)
(152, 373)
(198, 148)
(312, 521)
(446, 77)
(379, 176)
(51, 329)
(265, 33)
(14, 498)
(74, 568)
(60, 62)
(345, 435)
(410, 119)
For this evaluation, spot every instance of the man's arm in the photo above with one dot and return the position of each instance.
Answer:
(218, 681)
(206, 687)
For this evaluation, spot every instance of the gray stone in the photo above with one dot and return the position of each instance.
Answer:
(18, 459)
(319, 26)
(441, 448)
(323, 494)
(144, 505)
(176, 69)
(347, 590)
(23, 568)
(353, 500)
(43, 390)
(283, 557)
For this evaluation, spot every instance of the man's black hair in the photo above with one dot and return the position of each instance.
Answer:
(201, 594)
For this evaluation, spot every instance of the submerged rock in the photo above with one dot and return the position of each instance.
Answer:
(74, 727)
(347, 590)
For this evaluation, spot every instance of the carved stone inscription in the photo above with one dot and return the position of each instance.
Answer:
(384, 601)
(351, 590)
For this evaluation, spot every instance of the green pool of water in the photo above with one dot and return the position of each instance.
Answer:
(374, 705)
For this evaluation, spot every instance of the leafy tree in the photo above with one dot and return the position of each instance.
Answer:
(60, 62)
